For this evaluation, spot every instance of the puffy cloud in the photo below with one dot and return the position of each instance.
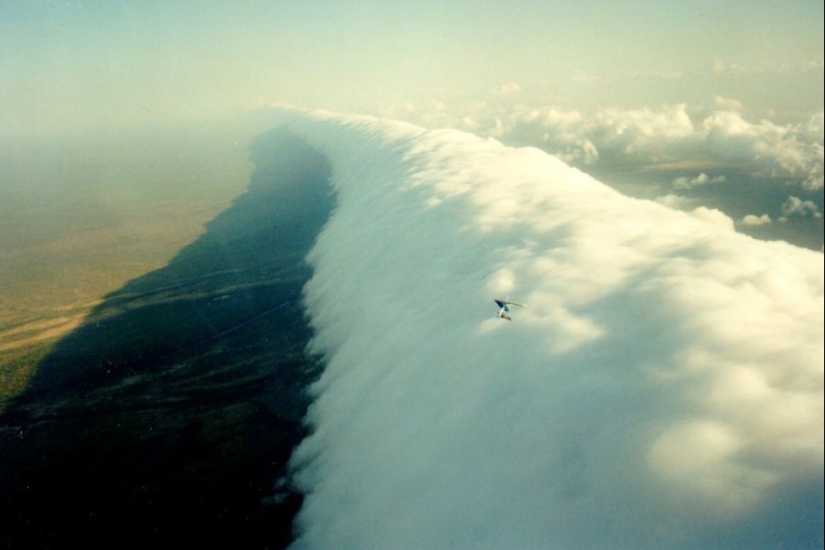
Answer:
(755, 221)
(727, 104)
(684, 182)
(722, 137)
(774, 149)
(676, 202)
(714, 217)
(666, 134)
(662, 388)
(794, 206)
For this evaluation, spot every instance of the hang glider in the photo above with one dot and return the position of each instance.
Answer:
(504, 308)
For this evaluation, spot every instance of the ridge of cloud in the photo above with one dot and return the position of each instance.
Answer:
(663, 388)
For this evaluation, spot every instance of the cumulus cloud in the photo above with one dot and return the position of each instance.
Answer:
(676, 202)
(794, 206)
(752, 220)
(728, 104)
(665, 134)
(702, 179)
(714, 217)
(663, 388)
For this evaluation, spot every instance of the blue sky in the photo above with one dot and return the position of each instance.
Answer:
(74, 65)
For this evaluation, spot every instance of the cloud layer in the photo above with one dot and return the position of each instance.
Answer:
(722, 156)
(722, 136)
(663, 387)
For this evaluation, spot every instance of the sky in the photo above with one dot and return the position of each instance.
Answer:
(662, 387)
(74, 65)
(644, 95)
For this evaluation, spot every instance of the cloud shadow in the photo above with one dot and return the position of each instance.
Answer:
(173, 409)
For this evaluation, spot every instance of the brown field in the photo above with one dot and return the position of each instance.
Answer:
(80, 219)
(152, 349)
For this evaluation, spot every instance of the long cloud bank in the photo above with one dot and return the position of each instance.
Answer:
(662, 388)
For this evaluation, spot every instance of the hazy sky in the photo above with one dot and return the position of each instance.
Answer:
(68, 65)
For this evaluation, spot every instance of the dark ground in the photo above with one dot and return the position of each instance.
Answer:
(171, 413)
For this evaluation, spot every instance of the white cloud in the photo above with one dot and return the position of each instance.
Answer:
(752, 220)
(794, 206)
(702, 179)
(728, 104)
(714, 217)
(663, 387)
(676, 202)
(722, 138)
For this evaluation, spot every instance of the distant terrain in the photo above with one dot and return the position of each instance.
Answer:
(168, 404)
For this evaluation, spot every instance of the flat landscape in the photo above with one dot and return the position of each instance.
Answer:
(152, 365)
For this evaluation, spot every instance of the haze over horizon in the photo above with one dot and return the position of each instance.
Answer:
(94, 64)
(697, 104)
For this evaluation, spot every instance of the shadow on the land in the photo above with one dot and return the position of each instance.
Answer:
(173, 410)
